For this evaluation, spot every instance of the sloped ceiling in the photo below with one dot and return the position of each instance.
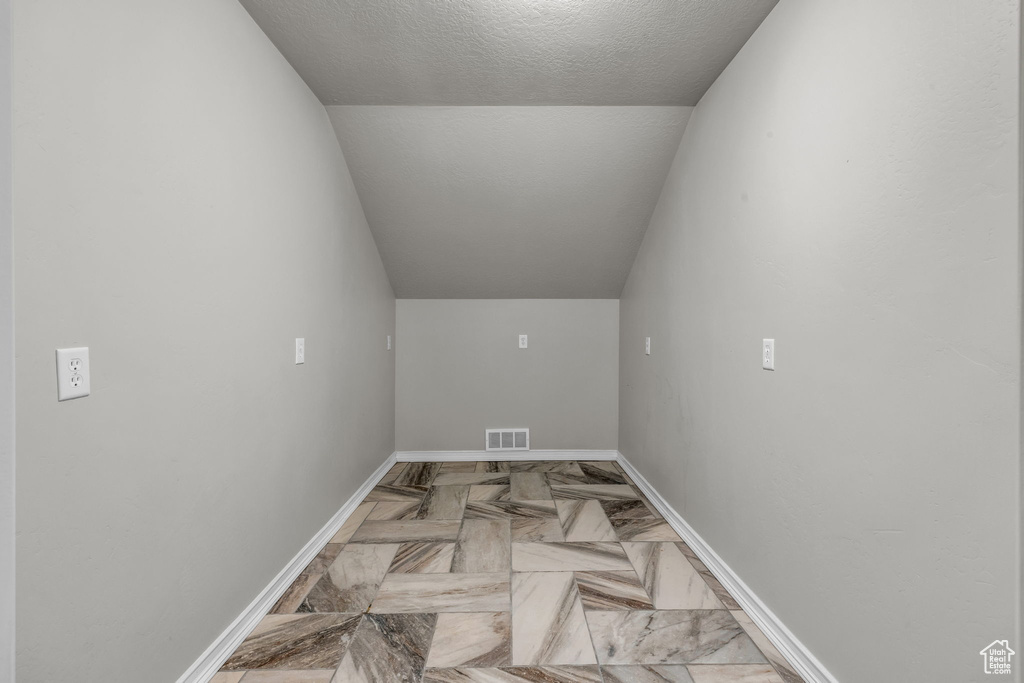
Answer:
(471, 194)
(508, 202)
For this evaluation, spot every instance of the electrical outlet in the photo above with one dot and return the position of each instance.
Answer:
(768, 354)
(647, 346)
(300, 350)
(522, 341)
(72, 373)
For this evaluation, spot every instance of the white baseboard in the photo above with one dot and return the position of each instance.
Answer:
(204, 668)
(494, 456)
(801, 659)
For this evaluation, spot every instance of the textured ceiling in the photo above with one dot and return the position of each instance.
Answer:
(469, 192)
(508, 202)
(509, 52)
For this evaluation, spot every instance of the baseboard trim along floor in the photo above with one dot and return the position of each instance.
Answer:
(502, 456)
(800, 658)
(805, 663)
(204, 668)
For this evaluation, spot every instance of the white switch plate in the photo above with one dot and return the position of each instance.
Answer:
(647, 346)
(72, 373)
(522, 341)
(300, 350)
(389, 342)
(768, 354)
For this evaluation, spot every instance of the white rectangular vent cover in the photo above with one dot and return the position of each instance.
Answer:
(508, 439)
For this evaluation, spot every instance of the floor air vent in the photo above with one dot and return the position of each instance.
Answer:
(508, 439)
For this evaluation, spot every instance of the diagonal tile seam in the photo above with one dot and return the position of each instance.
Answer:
(775, 658)
(430, 647)
(590, 632)
(706, 572)
(624, 571)
(377, 593)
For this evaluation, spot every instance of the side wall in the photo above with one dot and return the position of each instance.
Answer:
(849, 187)
(6, 358)
(183, 209)
(461, 371)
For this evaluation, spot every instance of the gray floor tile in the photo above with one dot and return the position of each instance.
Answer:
(472, 639)
(351, 581)
(295, 641)
(653, 673)
(555, 557)
(669, 578)
(444, 502)
(620, 590)
(442, 593)
(733, 673)
(671, 637)
(519, 674)
(423, 558)
(584, 520)
(548, 623)
(483, 546)
(406, 531)
(388, 647)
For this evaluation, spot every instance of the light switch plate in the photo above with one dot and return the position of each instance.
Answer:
(522, 341)
(647, 346)
(389, 342)
(768, 354)
(300, 350)
(72, 373)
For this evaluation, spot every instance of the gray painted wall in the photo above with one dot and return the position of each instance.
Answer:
(6, 359)
(460, 371)
(849, 186)
(182, 208)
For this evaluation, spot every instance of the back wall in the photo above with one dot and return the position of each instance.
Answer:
(460, 370)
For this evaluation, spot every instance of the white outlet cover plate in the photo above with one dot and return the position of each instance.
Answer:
(768, 354)
(72, 373)
(300, 350)
(522, 341)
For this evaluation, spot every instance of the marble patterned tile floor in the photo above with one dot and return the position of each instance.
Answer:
(505, 572)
